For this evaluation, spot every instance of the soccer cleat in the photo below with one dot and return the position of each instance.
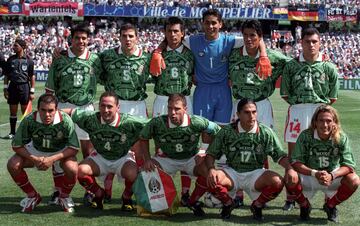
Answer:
(107, 198)
(127, 205)
(289, 205)
(87, 199)
(257, 212)
(67, 204)
(332, 213)
(197, 209)
(54, 198)
(226, 211)
(98, 202)
(239, 202)
(29, 203)
(305, 213)
(185, 199)
(10, 136)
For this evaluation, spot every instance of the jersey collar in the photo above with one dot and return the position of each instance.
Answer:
(186, 122)
(114, 123)
(57, 118)
(83, 56)
(255, 129)
(245, 53)
(136, 53)
(179, 49)
(316, 135)
(302, 59)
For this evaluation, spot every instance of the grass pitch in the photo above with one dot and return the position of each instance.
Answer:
(348, 106)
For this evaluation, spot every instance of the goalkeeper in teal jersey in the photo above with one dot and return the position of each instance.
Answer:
(44, 139)
(113, 134)
(246, 143)
(73, 79)
(245, 82)
(126, 70)
(177, 77)
(307, 82)
(324, 161)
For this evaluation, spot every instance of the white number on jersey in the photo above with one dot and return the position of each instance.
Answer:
(107, 146)
(78, 80)
(308, 82)
(323, 161)
(249, 78)
(46, 143)
(245, 156)
(127, 75)
(174, 72)
(179, 148)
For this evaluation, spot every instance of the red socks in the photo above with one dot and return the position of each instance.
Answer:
(199, 190)
(185, 182)
(23, 182)
(343, 193)
(128, 190)
(267, 194)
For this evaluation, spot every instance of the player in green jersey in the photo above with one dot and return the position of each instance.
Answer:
(177, 136)
(324, 161)
(176, 78)
(306, 83)
(113, 134)
(73, 79)
(246, 143)
(44, 139)
(126, 72)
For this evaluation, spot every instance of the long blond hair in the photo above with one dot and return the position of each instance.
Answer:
(336, 129)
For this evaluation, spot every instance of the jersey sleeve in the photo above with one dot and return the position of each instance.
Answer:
(79, 117)
(212, 128)
(298, 154)
(333, 82)
(346, 157)
(22, 135)
(186, 42)
(275, 149)
(239, 41)
(216, 147)
(73, 140)
(50, 84)
(278, 62)
(285, 81)
(148, 130)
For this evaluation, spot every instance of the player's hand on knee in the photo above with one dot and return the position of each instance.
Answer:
(212, 178)
(291, 177)
(263, 67)
(157, 63)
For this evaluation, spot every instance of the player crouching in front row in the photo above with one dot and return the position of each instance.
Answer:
(324, 161)
(45, 138)
(246, 143)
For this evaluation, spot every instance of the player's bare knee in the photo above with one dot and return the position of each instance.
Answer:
(129, 171)
(352, 181)
(83, 170)
(14, 163)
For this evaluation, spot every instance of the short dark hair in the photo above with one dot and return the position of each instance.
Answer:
(310, 31)
(80, 28)
(252, 24)
(128, 26)
(177, 97)
(21, 42)
(212, 12)
(244, 102)
(173, 20)
(110, 94)
(47, 98)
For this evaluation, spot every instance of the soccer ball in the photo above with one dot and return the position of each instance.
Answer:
(211, 202)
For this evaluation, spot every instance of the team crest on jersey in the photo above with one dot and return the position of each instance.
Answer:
(187, 65)
(259, 148)
(154, 185)
(140, 69)
(336, 151)
(322, 77)
(123, 138)
(201, 53)
(24, 67)
(193, 137)
(60, 135)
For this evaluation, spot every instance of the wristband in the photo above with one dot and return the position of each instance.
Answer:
(32, 90)
(332, 176)
(313, 173)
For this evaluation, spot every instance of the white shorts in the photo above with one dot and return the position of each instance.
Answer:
(264, 112)
(171, 166)
(32, 150)
(81, 134)
(298, 119)
(244, 181)
(111, 166)
(161, 103)
(311, 186)
(136, 108)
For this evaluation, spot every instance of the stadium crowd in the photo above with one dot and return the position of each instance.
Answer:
(42, 38)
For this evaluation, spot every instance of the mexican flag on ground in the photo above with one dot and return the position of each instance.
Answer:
(155, 192)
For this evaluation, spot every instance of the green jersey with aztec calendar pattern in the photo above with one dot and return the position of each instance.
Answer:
(125, 75)
(177, 77)
(73, 79)
(322, 154)
(246, 152)
(111, 142)
(245, 81)
(181, 142)
(303, 82)
(47, 138)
